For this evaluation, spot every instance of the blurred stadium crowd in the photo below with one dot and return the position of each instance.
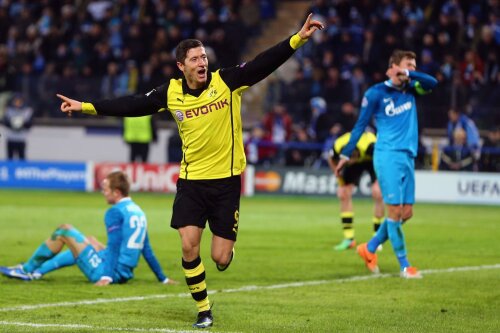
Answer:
(101, 49)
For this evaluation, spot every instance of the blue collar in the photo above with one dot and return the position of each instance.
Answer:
(389, 84)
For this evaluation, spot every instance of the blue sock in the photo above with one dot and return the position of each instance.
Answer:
(61, 260)
(398, 242)
(379, 238)
(40, 255)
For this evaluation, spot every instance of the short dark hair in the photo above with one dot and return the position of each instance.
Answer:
(183, 48)
(398, 55)
(118, 180)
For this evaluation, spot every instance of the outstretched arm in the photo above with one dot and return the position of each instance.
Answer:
(265, 63)
(127, 106)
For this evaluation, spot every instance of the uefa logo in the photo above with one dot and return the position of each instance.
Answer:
(179, 115)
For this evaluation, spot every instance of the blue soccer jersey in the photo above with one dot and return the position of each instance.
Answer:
(126, 227)
(395, 113)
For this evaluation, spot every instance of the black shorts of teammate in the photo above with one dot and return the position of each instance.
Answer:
(215, 200)
(352, 173)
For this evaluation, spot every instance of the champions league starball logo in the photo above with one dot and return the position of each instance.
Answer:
(179, 115)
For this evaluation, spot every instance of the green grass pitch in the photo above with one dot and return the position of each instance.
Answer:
(286, 277)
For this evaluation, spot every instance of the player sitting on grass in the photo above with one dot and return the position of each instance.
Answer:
(126, 227)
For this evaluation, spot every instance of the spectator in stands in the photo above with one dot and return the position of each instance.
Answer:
(149, 78)
(459, 120)
(274, 92)
(18, 119)
(336, 89)
(47, 88)
(277, 126)
(110, 86)
(299, 152)
(7, 78)
(258, 147)
(321, 121)
(250, 14)
(345, 120)
(296, 95)
(457, 156)
(471, 71)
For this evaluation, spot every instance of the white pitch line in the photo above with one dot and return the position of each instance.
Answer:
(95, 328)
(243, 289)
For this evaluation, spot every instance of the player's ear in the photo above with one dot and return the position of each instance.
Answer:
(180, 65)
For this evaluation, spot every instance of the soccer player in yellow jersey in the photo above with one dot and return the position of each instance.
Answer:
(360, 162)
(207, 108)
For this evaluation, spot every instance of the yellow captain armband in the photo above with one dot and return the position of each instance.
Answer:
(420, 90)
(296, 41)
(88, 108)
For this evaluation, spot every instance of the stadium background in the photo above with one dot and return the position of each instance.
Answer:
(102, 49)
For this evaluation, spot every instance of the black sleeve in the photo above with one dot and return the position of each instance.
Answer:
(134, 106)
(154, 129)
(370, 150)
(334, 155)
(248, 74)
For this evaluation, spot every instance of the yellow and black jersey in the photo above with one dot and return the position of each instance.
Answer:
(208, 119)
(364, 147)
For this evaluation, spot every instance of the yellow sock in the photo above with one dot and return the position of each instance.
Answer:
(347, 219)
(376, 223)
(195, 279)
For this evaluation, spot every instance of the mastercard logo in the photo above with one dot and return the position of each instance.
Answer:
(267, 181)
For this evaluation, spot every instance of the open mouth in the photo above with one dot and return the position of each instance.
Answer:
(202, 73)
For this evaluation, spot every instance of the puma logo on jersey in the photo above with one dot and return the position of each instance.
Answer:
(205, 109)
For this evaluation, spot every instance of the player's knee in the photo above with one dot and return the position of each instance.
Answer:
(376, 194)
(343, 195)
(65, 226)
(62, 230)
(407, 214)
(190, 251)
(395, 213)
(188, 248)
(221, 258)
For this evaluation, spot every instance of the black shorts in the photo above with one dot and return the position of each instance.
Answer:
(216, 201)
(352, 173)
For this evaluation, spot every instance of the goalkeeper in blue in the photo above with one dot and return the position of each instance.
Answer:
(392, 104)
(126, 228)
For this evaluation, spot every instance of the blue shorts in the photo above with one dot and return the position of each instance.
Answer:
(396, 175)
(92, 262)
